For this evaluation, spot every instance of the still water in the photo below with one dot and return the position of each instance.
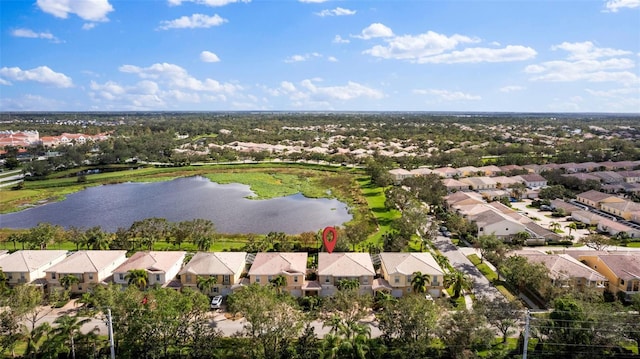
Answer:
(114, 206)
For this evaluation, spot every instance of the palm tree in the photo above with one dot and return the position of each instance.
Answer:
(554, 226)
(97, 239)
(348, 284)
(203, 243)
(279, 282)
(205, 284)
(459, 281)
(68, 326)
(69, 280)
(420, 282)
(572, 226)
(138, 277)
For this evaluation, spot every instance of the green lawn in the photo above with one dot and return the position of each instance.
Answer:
(375, 198)
(483, 267)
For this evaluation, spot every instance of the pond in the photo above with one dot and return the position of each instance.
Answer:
(227, 206)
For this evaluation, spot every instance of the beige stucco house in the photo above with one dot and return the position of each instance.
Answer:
(90, 267)
(397, 269)
(27, 266)
(226, 267)
(334, 267)
(268, 265)
(621, 270)
(161, 267)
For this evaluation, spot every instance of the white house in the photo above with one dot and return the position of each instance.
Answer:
(27, 266)
(161, 267)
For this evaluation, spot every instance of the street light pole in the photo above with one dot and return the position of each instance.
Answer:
(110, 327)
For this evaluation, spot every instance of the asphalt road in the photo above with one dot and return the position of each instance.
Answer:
(481, 285)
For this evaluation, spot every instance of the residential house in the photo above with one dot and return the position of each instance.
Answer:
(621, 270)
(586, 167)
(161, 267)
(510, 168)
(463, 198)
(399, 174)
(28, 266)
(293, 266)
(90, 267)
(447, 172)
(609, 177)
(534, 180)
(422, 171)
(624, 209)
(586, 217)
(564, 270)
(613, 228)
(334, 267)
(595, 199)
(533, 168)
(480, 183)
(397, 269)
(630, 176)
(568, 208)
(493, 222)
(454, 185)
(226, 267)
(469, 171)
(490, 170)
(4, 253)
(503, 182)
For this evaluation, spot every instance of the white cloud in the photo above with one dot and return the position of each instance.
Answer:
(142, 95)
(30, 102)
(585, 63)
(615, 92)
(615, 5)
(88, 26)
(512, 88)
(336, 12)
(409, 47)
(587, 50)
(332, 59)
(192, 22)
(308, 93)
(28, 33)
(212, 3)
(375, 30)
(445, 95)
(42, 74)
(208, 56)
(301, 58)
(482, 54)
(339, 40)
(177, 77)
(89, 10)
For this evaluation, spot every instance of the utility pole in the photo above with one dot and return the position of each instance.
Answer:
(110, 325)
(525, 344)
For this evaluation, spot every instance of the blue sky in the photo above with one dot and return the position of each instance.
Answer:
(400, 55)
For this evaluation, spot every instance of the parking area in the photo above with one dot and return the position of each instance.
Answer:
(544, 219)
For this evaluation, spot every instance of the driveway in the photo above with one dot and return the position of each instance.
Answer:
(481, 285)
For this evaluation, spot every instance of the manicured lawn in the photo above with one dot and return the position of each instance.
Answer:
(483, 267)
(375, 199)
(633, 244)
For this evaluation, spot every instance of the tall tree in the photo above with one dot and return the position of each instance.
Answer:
(420, 282)
(205, 284)
(462, 331)
(459, 281)
(69, 327)
(68, 280)
(500, 312)
(138, 277)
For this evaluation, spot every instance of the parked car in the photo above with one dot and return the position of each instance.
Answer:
(216, 302)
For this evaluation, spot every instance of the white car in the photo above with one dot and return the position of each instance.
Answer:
(216, 301)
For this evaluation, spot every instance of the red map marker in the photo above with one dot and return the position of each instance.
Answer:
(329, 244)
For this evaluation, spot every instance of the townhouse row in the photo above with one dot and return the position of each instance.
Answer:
(617, 272)
(231, 270)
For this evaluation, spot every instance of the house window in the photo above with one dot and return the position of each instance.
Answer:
(295, 279)
(215, 289)
(365, 280)
(90, 276)
(79, 287)
(408, 279)
(157, 277)
(257, 279)
(225, 279)
(269, 278)
(396, 280)
(10, 276)
(326, 279)
(121, 276)
(53, 276)
(188, 278)
(434, 281)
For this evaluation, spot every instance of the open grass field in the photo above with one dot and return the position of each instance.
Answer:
(375, 199)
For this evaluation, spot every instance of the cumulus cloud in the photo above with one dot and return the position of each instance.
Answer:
(192, 22)
(177, 77)
(28, 33)
(586, 62)
(88, 25)
(208, 56)
(212, 3)
(375, 30)
(511, 88)
(301, 58)
(41, 74)
(332, 59)
(433, 47)
(445, 95)
(616, 5)
(309, 93)
(89, 10)
(339, 40)
(336, 12)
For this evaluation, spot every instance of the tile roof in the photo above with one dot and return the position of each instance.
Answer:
(345, 264)
(218, 263)
(594, 196)
(275, 263)
(409, 263)
(564, 266)
(30, 260)
(87, 261)
(625, 266)
(154, 261)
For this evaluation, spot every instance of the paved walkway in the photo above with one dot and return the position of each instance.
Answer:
(459, 261)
